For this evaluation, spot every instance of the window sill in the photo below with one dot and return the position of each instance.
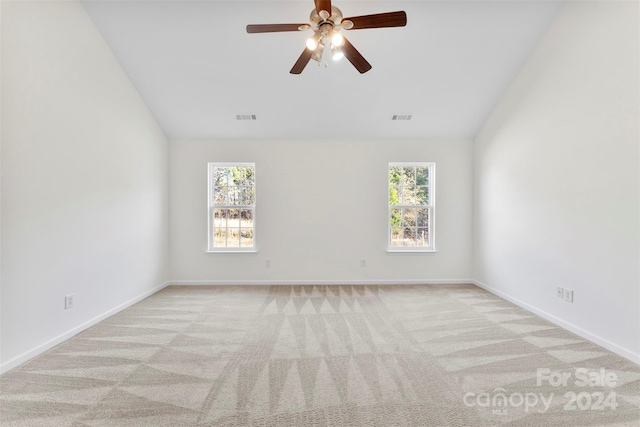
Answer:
(411, 251)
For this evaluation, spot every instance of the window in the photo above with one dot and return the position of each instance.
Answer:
(232, 202)
(411, 206)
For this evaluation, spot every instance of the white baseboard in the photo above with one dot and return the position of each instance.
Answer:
(621, 351)
(324, 282)
(28, 355)
(24, 357)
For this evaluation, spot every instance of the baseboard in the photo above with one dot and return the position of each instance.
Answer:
(621, 351)
(26, 356)
(323, 282)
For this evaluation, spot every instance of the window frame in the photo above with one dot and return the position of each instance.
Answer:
(431, 207)
(211, 207)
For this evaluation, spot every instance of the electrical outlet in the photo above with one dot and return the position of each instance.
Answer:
(559, 292)
(267, 264)
(68, 301)
(568, 295)
(363, 263)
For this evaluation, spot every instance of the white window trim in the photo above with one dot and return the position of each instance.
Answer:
(210, 248)
(432, 207)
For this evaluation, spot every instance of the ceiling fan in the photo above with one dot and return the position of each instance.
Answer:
(326, 21)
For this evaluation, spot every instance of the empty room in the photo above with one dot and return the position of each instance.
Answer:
(319, 213)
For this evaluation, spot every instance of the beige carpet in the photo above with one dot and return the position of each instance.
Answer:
(323, 356)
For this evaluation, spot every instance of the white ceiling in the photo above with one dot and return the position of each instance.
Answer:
(196, 67)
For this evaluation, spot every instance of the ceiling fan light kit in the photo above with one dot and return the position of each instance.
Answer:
(326, 36)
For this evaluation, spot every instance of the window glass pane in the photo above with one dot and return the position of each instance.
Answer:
(409, 217)
(249, 176)
(220, 195)
(409, 238)
(396, 236)
(409, 176)
(407, 196)
(233, 218)
(233, 237)
(394, 196)
(233, 174)
(236, 175)
(219, 237)
(396, 218)
(248, 196)
(422, 195)
(422, 217)
(220, 176)
(246, 217)
(422, 175)
(235, 198)
(246, 237)
(220, 218)
(395, 174)
(422, 236)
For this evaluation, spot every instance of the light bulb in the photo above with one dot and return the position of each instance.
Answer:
(337, 39)
(312, 43)
(336, 53)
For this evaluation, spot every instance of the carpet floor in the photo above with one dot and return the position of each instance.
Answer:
(311, 355)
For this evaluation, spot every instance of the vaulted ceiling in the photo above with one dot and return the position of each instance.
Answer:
(197, 68)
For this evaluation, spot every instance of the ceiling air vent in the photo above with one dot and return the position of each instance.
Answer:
(401, 117)
(250, 117)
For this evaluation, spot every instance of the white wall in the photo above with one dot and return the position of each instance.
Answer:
(321, 208)
(84, 180)
(557, 182)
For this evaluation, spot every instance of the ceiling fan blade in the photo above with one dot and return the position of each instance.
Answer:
(352, 54)
(302, 61)
(379, 20)
(323, 5)
(272, 28)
